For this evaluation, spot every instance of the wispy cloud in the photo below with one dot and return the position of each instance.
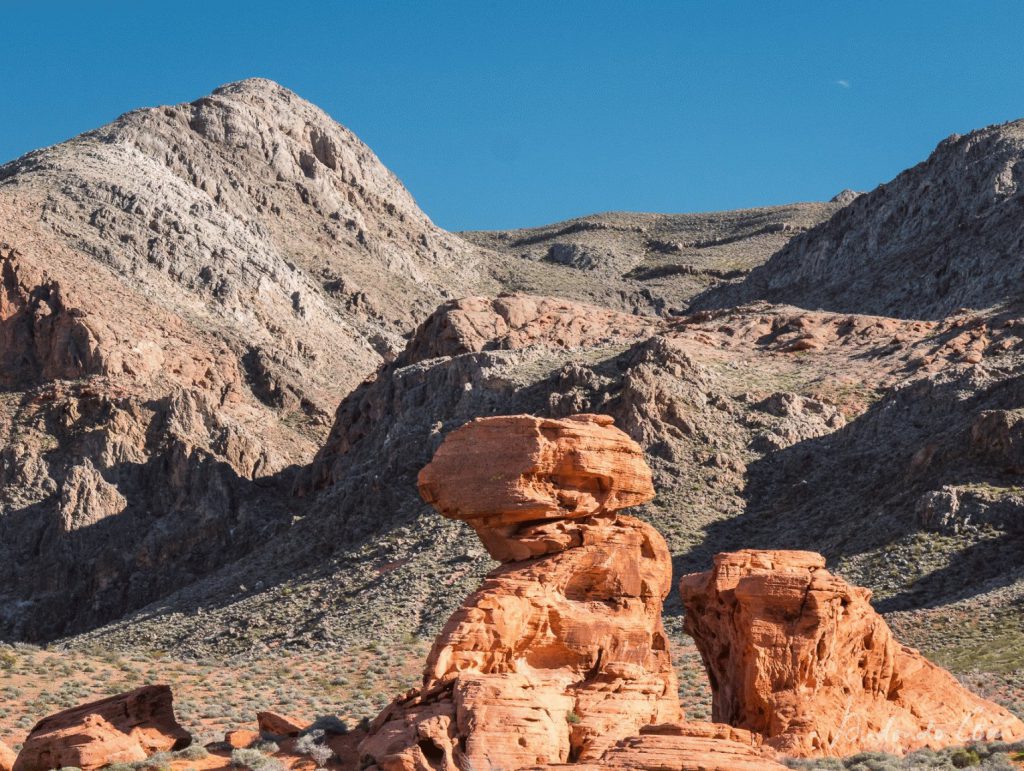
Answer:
(843, 83)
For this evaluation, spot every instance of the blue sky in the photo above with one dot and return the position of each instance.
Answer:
(513, 114)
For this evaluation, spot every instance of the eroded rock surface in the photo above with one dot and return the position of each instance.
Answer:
(561, 652)
(800, 656)
(690, 746)
(122, 729)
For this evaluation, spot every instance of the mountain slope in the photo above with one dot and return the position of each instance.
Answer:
(945, 234)
(187, 294)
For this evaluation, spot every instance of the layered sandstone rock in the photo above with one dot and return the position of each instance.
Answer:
(561, 652)
(121, 729)
(686, 747)
(799, 655)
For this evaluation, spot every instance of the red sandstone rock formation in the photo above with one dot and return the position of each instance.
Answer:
(7, 756)
(561, 652)
(687, 747)
(121, 729)
(800, 656)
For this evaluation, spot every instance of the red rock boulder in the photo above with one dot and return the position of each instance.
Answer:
(561, 652)
(800, 656)
(280, 725)
(121, 729)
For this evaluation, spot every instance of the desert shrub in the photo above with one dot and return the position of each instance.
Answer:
(312, 744)
(8, 659)
(873, 761)
(192, 752)
(988, 757)
(965, 758)
(255, 760)
(330, 724)
(572, 718)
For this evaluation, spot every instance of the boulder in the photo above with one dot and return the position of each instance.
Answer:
(800, 656)
(561, 652)
(495, 472)
(280, 725)
(120, 729)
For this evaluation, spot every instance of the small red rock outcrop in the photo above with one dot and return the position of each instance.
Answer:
(280, 725)
(561, 652)
(800, 656)
(121, 729)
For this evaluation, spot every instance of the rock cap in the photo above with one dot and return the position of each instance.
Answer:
(519, 468)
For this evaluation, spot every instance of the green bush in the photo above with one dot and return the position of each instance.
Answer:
(965, 758)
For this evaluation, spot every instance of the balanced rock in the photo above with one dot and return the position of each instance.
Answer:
(561, 652)
(120, 729)
(800, 656)
(497, 473)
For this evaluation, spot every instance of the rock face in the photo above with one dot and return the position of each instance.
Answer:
(800, 656)
(561, 652)
(121, 729)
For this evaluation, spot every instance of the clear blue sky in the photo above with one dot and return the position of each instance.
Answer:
(510, 114)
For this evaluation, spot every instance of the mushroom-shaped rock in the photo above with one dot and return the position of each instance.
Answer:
(800, 656)
(498, 473)
(561, 652)
(120, 729)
